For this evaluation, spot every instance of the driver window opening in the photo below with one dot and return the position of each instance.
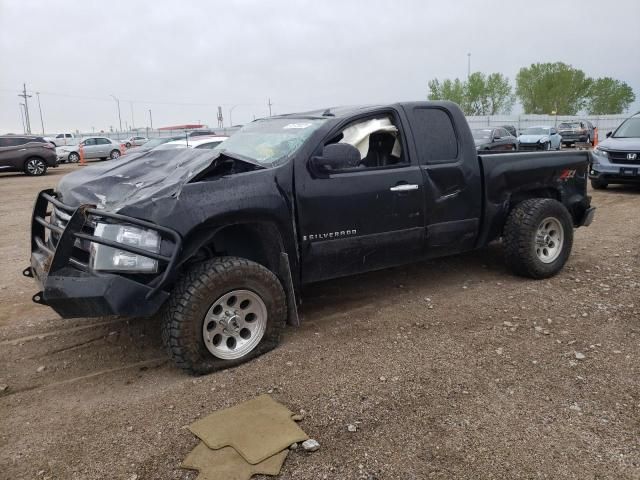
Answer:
(377, 140)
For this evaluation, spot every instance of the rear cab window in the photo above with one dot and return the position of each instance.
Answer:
(435, 135)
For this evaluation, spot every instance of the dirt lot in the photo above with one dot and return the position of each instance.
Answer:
(450, 369)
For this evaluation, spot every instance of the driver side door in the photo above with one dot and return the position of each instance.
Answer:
(362, 218)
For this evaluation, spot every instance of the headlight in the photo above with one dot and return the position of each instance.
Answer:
(600, 153)
(106, 258)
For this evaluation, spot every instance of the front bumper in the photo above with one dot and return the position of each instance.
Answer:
(530, 147)
(607, 171)
(73, 289)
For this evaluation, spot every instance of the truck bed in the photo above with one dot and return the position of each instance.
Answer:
(561, 175)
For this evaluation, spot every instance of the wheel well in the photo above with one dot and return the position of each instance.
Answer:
(31, 158)
(518, 197)
(258, 242)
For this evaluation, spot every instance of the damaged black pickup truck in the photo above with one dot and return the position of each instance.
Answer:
(218, 243)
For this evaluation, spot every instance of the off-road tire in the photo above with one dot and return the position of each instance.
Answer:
(183, 316)
(520, 232)
(598, 184)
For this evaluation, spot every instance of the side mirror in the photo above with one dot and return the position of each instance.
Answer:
(337, 156)
(609, 134)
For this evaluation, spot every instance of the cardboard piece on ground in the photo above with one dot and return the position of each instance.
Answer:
(257, 429)
(227, 464)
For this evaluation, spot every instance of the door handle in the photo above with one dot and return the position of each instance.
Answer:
(405, 187)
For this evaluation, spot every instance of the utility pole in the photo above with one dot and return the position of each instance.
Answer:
(269, 104)
(133, 124)
(220, 117)
(150, 119)
(24, 127)
(26, 106)
(468, 65)
(119, 117)
(230, 112)
(40, 108)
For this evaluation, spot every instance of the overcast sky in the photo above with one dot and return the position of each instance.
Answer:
(183, 58)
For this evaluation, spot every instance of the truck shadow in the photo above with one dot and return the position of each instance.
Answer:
(390, 284)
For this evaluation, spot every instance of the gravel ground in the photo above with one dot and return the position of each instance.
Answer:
(449, 369)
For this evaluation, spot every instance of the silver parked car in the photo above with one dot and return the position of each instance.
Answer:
(134, 141)
(93, 147)
(540, 138)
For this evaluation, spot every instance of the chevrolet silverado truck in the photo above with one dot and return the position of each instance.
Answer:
(217, 244)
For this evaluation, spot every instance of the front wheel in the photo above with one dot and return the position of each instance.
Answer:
(538, 237)
(128, 145)
(73, 157)
(35, 167)
(114, 154)
(547, 146)
(223, 312)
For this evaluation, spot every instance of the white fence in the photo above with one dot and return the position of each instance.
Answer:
(604, 123)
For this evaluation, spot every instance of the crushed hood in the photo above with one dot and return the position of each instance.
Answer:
(152, 175)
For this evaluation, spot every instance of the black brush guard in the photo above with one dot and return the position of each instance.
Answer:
(70, 287)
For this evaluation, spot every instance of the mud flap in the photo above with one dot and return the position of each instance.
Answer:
(285, 276)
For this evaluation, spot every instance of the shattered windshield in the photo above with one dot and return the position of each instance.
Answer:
(269, 141)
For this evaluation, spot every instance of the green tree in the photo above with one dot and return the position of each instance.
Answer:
(479, 95)
(546, 87)
(499, 94)
(452, 90)
(608, 95)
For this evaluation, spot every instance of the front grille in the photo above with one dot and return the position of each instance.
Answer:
(621, 157)
(65, 233)
(529, 147)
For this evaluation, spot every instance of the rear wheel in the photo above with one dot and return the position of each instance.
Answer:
(538, 237)
(598, 184)
(35, 167)
(223, 312)
(114, 154)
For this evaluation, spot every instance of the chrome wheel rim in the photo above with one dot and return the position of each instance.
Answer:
(35, 167)
(234, 324)
(115, 155)
(549, 240)
(74, 157)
